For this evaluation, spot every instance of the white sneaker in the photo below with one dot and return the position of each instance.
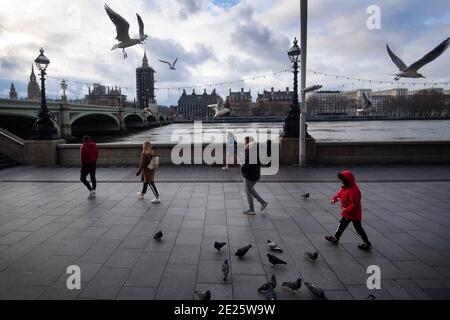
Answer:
(140, 195)
(91, 194)
(156, 200)
(249, 212)
(225, 168)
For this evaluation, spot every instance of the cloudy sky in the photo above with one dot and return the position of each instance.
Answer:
(217, 41)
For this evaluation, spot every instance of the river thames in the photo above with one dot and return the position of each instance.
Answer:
(337, 131)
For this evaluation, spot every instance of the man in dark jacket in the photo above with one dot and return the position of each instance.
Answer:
(251, 171)
(89, 156)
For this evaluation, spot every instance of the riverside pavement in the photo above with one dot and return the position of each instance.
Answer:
(47, 224)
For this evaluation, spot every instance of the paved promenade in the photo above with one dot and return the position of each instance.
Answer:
(47, 224)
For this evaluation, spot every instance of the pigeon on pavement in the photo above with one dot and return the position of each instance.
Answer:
(242, 251)
(274, 260)
(313, 256)
(273, 246)
(316, 291)
(225, 269)
(293, 285)
(203, 295)
(158, 235)
(219, 245)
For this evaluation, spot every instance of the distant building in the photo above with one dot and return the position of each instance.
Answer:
(327, 103)
(429, 91)
(104, 96)
(145, 84)
(12, 92)
(273, 103)
(195, 106)
(240, 103)
(34, 93)
(394, 92)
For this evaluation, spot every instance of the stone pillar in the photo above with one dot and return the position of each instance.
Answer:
(66, 129)
(41, 152)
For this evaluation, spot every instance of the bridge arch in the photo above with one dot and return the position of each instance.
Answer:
(94, 122)
(21, 124)
(133, 121)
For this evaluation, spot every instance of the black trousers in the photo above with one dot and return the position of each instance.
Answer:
(152, 186)
(343, 224)
(88, 168)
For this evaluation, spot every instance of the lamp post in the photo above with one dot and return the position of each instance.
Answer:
(44, 128)
(291, 123)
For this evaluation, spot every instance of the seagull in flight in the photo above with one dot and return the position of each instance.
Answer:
(411, 71)
(219, 109)
(365, 102)
(171, 65)
(122, 28)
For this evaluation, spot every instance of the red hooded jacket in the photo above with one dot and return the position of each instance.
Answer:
(350, 197)
(89, 152)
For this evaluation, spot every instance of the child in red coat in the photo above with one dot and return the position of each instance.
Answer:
(350, 197)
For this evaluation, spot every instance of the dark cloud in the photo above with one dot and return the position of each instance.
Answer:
(260, 42)
(189, 7)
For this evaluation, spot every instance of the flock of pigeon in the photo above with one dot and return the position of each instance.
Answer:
(267, 288)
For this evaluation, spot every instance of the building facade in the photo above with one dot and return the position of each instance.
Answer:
(273, 103)
(240, 103)
(145, 84)
(195, 106)
(105, 96)
(12, 92)
(33, 90)
(327, 103)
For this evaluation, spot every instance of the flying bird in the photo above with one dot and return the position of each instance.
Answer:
(219, 109)
(269, 284)
(219, 245)
(274, 260)
(411, 71)
(225, 269)
(158, 235)
(316, 291)
(242, 251)
(366, 103)
(313, 256)
(273, 246)
(203, 295)
(305, 196)
(171, 65)
(296, 285)
(122, 29)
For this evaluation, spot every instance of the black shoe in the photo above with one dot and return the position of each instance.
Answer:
(332, 239)
(365, 246)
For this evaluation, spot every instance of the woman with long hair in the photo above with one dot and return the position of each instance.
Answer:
(148, 175)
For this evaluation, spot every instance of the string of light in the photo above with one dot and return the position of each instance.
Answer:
(252, 78)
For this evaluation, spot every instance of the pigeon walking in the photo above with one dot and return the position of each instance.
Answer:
(411, 71)
(271, 295)
(316, 291)
(269, 284)
(219, 245)
(242, 251)
(305, 196)
(371, 297)
(171, 65)
(313, 256)
(274, 260)
(273, 246)
(293, 285)
(122, 28)
(225, 269)
(203, 295)
(158, 235)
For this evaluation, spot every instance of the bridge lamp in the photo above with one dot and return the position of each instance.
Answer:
(44, 128)
(291, 123)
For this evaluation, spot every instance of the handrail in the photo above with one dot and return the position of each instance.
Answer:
(12, 137)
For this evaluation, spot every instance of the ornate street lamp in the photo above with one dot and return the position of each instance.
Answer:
(44, 128)
(63, 88)
(291, 124)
